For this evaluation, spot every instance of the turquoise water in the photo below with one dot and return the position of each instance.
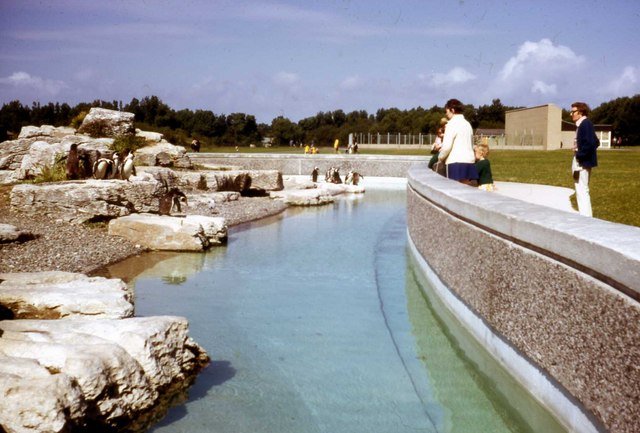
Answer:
(316, 322)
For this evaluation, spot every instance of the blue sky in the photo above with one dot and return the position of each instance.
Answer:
(296, 58)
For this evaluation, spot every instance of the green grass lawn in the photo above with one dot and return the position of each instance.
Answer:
(615, 183)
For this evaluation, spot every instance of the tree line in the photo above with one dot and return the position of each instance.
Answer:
(240, 129)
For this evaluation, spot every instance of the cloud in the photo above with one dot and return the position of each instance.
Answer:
(286, 79)
(543, 88)
(540, 57)
(351, 83)
(24, 81)
(457, 75)
(627, 83)
(537, 72)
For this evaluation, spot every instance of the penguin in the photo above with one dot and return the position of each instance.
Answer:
(335, 177)
(314, 174)
(116, 166)
(102, 168)
(171, 199)
(73, 163)
(329, 174)
(128, 169)
(353, 178)
(178, 197)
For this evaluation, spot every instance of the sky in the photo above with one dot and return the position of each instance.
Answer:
(298, 58)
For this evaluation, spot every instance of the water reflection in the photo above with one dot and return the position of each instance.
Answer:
(463, 375)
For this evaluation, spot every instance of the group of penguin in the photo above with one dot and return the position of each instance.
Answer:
(114, 168)
(333, 176)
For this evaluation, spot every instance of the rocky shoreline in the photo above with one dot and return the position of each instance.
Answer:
(63, 246)
(101, 366)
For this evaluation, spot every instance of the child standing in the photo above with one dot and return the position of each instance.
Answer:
(483, 166)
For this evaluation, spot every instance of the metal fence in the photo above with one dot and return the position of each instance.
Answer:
(394, 140)
(391, 139)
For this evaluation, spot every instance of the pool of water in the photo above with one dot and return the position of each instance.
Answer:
(315, 321)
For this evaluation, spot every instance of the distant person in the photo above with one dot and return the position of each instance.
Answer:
(457, 146)
(435, 151)
(585, 157)
(485, 178)
(336, 145)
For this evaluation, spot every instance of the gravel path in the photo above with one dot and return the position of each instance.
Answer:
(60, 246)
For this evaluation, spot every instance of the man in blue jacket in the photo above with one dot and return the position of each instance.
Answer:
(585, 158)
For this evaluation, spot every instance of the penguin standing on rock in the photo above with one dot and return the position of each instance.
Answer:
(314, 174)
(102, 168)
(73, 163)
(116, 166)
(353, 178)
(128, 169)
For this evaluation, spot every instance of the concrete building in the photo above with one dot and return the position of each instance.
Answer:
(542, 128)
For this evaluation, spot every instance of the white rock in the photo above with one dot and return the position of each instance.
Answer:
(161, 232)
(164, 154)
(85, 200)
(53, 295)
(149, 136)
(118, 122)
(45, 131)
(59, 375)
(303, 197)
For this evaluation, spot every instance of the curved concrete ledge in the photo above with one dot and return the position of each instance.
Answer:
(607, 251)
(551, 294)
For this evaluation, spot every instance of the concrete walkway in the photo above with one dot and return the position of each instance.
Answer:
(544, 195)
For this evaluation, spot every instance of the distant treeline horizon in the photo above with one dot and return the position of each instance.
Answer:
(241, 129)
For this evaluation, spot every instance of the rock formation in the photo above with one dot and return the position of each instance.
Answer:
(56, 295)
(85, 373)
(111, 122)
(162, 232)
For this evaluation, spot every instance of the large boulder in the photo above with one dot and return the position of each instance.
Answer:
(87, 200)
(110, 123)
(93, 375)
(303, 197)
(54, 295)
(48, 131)
(154, 137)
(163, 154)
(161, 232)
(314, 195)
(185, 180)
(40, 156)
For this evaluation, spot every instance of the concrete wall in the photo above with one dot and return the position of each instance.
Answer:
(366, 165)
(536, 127)
(552, 295)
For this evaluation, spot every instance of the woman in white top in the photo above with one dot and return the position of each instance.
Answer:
(457, 146)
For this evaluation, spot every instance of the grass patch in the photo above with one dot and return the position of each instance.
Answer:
(55, 172)
(614, 185)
